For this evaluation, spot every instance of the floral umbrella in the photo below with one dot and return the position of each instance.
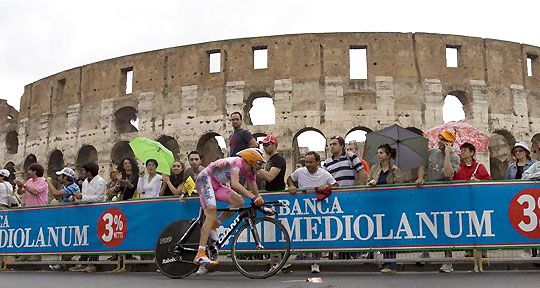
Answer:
(464, 133)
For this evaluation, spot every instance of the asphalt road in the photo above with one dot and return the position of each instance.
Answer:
(48, 279)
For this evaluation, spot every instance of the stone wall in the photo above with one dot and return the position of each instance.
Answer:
(307, 77)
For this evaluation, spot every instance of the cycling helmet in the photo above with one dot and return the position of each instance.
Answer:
(251, 155)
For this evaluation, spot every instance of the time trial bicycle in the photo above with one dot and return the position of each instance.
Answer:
(260, 244)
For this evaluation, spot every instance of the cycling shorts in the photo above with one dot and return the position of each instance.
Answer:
(211, 190)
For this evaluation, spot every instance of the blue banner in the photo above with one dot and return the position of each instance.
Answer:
(487, 214)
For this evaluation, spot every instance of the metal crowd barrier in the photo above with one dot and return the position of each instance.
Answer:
(476, 260)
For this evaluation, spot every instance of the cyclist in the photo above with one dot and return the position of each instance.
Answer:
(221, 180)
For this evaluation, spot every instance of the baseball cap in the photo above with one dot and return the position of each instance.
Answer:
(66, 171)
(4, 172)
(270, 138)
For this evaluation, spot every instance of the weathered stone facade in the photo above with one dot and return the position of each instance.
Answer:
(84, 113)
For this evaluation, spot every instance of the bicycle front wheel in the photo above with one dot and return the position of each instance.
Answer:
(267, 259)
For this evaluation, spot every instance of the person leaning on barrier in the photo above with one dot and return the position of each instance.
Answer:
(344, 166)
(384, 172)
(274, 172)
(35, 190)
(190, 175)
(93, 190)
(113, 187)
(533, 173)
(149, 183)
(522, 153)
(6, 190)
(469, 169)
(311, 177)
(443, 163)
(381, 174)
(130, 177)
(68, 189)
(172, 184)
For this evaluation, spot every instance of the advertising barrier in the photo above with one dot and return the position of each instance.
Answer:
(487, 214)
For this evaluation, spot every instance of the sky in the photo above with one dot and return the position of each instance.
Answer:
(41, 38)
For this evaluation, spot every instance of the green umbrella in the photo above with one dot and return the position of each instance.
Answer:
(145, 149)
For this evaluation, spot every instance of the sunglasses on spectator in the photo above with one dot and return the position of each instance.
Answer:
(179, 166)
(519, 151)
(194, 159)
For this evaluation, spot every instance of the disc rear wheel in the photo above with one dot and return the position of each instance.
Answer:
(174, 261)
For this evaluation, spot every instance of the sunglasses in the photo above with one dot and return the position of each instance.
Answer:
(194, 159)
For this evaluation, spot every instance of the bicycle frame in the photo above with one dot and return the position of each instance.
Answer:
(245, 214)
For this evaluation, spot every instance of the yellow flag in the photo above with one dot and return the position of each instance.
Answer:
(189, 185)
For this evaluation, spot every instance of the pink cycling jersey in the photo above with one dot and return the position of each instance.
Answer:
(214, 181)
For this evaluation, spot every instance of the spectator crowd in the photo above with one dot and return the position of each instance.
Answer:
(344, 167)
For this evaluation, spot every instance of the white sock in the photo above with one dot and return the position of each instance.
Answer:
(214, 235)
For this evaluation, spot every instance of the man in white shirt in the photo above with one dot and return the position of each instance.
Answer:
(311, 177)
(93, 187)
(93, 190)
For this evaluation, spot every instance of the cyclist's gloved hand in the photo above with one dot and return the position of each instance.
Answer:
(259, 201)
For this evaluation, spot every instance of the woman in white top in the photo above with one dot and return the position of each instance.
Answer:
(149, 184)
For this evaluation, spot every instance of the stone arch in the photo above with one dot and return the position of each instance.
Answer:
(298, 151)
(87, 153)
(501, 143)
(357, 136)
(362, 129)
(55, 162)
(251, 101)
(120, 151)
(124, 119)
(209, 148)
(29, 160)
(464, 99)
(416, 130)
(12, 142)
(171, 144)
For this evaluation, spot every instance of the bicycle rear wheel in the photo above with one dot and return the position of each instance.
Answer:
(173, 261)
(261, 262)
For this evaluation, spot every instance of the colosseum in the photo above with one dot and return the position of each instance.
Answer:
(88, 112)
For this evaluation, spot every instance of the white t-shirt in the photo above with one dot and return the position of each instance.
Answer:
(149, 189)
(5, 192)
(93, 191)
(307, 180)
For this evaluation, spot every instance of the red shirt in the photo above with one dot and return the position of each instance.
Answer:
(466, 172)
